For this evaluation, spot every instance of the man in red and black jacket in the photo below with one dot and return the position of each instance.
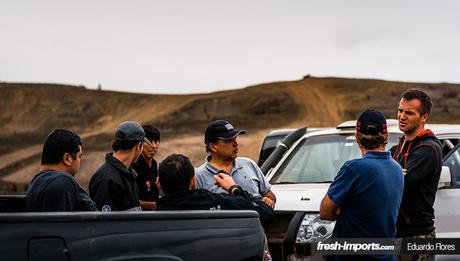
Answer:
(420, 155)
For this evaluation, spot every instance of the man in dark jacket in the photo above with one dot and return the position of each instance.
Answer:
(147, 169)
(113, 187)
(54, 188)
(176, 182)
(420, 155)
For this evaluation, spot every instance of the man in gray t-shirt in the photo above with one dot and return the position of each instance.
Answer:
(222, 146)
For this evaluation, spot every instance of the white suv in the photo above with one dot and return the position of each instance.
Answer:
(301, 179)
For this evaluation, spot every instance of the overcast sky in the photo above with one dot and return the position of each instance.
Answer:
(209, 45)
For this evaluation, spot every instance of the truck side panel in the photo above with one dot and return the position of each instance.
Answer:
(188, 235)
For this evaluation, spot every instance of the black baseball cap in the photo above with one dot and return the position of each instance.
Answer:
(130, 131)
(371, 122)
(220, 130)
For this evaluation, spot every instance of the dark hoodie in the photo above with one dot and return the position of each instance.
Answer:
(422, 159)
(201, 199)
(113, 187)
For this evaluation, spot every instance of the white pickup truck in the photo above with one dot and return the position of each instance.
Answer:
(302, 176)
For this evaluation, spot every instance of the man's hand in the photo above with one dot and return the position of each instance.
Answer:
(224, 181)
(269, 202)
(270, 199)
(148, 205)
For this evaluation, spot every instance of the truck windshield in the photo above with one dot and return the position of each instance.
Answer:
(317, 159)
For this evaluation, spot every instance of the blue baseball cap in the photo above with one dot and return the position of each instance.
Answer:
(371, 122)
(220, 130)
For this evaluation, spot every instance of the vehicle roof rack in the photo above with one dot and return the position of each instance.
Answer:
(352, 124)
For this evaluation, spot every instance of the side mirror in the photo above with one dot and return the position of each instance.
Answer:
(279, 151)
(445, 181)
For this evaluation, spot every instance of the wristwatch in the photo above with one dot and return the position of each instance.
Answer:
(233, 188)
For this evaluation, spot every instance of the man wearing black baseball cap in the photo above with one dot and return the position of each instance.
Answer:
(221, 142)
(113, 187)
(365, 195)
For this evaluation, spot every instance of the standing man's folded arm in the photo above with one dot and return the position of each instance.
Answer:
(269, 198)
(328, 209)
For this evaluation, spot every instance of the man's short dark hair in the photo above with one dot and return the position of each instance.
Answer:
(152, 133)
(124, 145)
(424, 99)
(59, 142)
(372, 141)
(175, 173)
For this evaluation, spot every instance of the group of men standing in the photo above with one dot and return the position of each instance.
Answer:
(388, 194)
(382, 195)
(131, 180)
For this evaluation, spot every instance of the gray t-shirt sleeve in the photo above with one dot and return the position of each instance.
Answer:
(200, 182)
(264, 186)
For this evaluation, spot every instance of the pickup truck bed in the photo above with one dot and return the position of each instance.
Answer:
(162, 235)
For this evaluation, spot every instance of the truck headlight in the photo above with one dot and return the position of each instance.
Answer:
(313, 229)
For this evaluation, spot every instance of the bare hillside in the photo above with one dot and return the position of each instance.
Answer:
(30, 111)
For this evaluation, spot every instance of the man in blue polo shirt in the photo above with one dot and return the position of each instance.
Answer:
(366, 194)
(222, 146)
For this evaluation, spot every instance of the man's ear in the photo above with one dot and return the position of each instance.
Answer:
(67, 159)
(162, 193)
(158, 183)
(424, 118)
(138, 147)
(212, 147)
(193, 183)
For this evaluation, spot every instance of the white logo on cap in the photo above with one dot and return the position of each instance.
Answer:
(106, 208)
(229, 126)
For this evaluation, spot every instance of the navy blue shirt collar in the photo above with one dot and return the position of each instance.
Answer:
(377, 154)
